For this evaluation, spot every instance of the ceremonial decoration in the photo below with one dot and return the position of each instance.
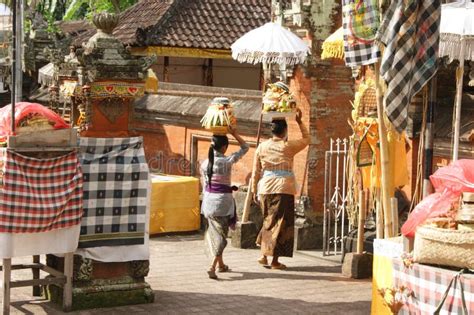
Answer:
(278, 101)
(219, 116)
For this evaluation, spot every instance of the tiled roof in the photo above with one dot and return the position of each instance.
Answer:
(75, 28)
(211, 24)
(143, 14)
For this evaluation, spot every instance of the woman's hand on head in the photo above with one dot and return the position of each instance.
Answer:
(299, 116)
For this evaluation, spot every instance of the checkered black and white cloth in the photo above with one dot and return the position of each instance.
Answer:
(39, 195)
(410, 32)
(360, 23)
(116, 192)
(428, 285)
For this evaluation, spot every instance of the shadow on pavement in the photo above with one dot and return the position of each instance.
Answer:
(187, 302)
(236, 275)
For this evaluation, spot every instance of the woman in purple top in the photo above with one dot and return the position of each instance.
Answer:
(218, 204)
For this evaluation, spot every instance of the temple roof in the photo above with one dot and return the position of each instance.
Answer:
(205, 24)
(185, 105)
(214, 24)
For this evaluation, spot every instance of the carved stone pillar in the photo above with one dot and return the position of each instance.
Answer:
(105, 80)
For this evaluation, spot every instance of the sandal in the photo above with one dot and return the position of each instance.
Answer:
(224, 268)
(212, 274)
(278, 267)
(263, 261)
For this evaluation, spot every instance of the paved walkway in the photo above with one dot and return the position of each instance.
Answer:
(178, 276)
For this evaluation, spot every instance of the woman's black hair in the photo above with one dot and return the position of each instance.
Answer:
(279, 126)
(218, 142)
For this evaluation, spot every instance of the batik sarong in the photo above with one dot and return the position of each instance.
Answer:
(216, 235)
(277, 234)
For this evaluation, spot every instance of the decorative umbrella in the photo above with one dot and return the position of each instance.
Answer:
(270, 44)
(457, 42)
(333, 46)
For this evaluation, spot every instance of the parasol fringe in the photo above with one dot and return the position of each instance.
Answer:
(334, 49)
(255, 57)
(450, 46)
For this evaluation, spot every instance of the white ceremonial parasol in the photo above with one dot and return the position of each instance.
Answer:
(270, 44)
(457, 43)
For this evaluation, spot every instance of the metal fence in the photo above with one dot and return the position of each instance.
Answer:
(336, 223)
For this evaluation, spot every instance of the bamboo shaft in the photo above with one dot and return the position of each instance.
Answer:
(248, 198)
(6, 279)
(360, 226)
(459, 86)
(378, 215)
(429, 138)
(394, 214)
(387, 192)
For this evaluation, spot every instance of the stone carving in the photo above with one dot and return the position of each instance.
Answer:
(112, 108)
(83, 268)
(139, 268)
(105, 22)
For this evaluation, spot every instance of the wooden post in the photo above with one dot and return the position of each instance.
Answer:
(166, 63)
(378, 214)
(429, 137)
(394, 214)
(250, 192)
(387, 192)
(7, 265)
(67, 289)
(14, 64)
(458, 103)
(248, 199)
(36, 276)
(360, 226)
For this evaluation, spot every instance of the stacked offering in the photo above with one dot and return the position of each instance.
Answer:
(219, 116)
(278, 101)
(442, 222)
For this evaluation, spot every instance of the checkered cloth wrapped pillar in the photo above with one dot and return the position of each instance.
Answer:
(39, 195)
(410, 32)
(360, 23)
(115, 191)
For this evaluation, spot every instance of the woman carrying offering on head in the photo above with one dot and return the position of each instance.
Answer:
(218, 204)
(274, 182)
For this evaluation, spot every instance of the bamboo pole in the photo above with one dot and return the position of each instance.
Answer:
(384, 158)
(394, 214)
(14, 62)
(459, 86)
(360, 226)
(378, 214)
(429, 138)
(248, 199)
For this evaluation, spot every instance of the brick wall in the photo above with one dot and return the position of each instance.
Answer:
(328, 88)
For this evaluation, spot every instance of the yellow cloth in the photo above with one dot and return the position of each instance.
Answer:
(151, 83)
(371, 175)
(382, 273)
(174, 204)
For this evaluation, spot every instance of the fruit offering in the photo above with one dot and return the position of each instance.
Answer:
(278, 98)
(219, 115)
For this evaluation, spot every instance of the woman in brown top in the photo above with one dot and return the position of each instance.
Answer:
(274, 181)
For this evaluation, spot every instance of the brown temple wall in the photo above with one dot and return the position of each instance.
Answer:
(170, 149)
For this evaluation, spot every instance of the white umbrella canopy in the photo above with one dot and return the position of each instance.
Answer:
(457, 43)
(271, 44)
(457, 26)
